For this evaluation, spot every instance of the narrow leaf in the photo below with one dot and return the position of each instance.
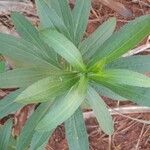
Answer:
(22, 51)
(136, 63)
(2, 66)
(103, 91)
(122, 41)
(90, 45)
(122, 76)
(46, 88)
(22, 77)
(40, 139)
(63, 10)
(63, 47)
(76, 132)
(29, 127)
(101, 111)
(64, 107)
(5, 133)
(7, 104)
(49, 17)
(80, 17)
(30, 33)
(134, 94)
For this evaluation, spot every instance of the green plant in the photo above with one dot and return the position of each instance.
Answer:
(2, 64)
(6, 140)
(58, 69)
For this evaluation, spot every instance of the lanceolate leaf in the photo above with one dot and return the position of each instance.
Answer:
(7, 104)
(90, 45)
(47, 88)
(23, 51)
(29, 33)
(80, 17)
(122, 41)
(5, 133)
(40, 139)
(2, 66)
(122, 76)
(103, 91)
(76, 132)
(62, 8)
(100, 109)
(136, 63)
(22, 77)
(29, 128)
(49, 17)
(135, 94)
(63, 47)
(64, 107)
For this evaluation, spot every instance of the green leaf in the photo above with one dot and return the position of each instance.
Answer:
(80, 13)
(47, 88)
(49, 17)
(63, 10)
(122, 76)
(90, 45)
(103, 91)
(135, 94)
(101, 111)
(28, 130)
(2, 66)
(5, 133)
(122, 41)
(29, 33)
(136, 63)
(7, 104)
(40, 139)
(63, 47)
(23, 51)
(64, 107)
(23, 77)
(76, 132)
(12, 143)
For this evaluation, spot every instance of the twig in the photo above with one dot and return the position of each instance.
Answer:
(137, 50)
(139, 139)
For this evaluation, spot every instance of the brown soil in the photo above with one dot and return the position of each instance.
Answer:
(129, 134)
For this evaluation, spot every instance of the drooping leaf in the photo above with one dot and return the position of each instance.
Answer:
(64, 107)
(29, 127)
(47, 88)
(63, 47)
(80, 13)
(90, 45)
(5, 133)
(135, 94)
(30, 33)
(49, 17)
(23, 77)
(2, 66)
(40, 139)
(136, 63)
(122, 41)
(22, 51)
(103, 91)
(7, 104)
(122, 76)
(101, 111)
(76, 132)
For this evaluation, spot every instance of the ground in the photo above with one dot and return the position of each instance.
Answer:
(130, 133)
